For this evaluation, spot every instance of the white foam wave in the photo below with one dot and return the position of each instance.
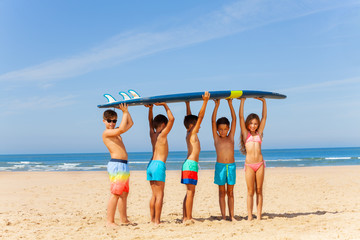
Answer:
(285, 160)
(24, 162)
(334, 158)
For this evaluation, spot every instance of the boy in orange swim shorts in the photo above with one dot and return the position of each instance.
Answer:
(117, 167)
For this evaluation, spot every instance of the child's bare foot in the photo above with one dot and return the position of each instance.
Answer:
(232, 219)
(112, 225)
(250, 218)
(188, 222)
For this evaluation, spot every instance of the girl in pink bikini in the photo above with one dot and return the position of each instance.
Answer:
(251, 138)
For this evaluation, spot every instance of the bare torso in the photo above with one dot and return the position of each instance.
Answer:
(225, 150)
(116, 147)
(193, 145)
(253, 152)
(160, 147)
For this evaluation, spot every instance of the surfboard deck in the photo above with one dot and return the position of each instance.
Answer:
(193, 96)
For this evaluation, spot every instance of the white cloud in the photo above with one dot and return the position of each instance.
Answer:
(323, 85)
(231, 19)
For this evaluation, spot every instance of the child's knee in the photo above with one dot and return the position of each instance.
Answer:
(230, 193)
(259, 191)
(222, 193)
(251, 192)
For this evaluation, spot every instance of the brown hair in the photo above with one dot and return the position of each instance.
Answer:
(158, 120)
(247, 122)
(223, 120)
(190, 119)
(109, 114)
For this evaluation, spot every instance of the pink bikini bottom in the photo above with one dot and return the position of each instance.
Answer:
(255, 166)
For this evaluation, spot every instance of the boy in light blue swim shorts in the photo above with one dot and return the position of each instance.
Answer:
(225, 168)
(156, 171)
(160, 127)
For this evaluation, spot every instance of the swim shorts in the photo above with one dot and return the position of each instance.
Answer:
(156, 171)
(225, 173)
(119, 176)
(189, 173)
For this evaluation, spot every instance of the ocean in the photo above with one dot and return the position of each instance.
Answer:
(138, 160)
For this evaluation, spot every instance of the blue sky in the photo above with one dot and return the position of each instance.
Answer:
(58, 58)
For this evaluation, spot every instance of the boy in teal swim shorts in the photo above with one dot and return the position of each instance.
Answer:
(189, 173)
(225, 168)
(160, 127)
(117, 167)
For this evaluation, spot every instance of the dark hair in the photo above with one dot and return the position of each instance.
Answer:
(158, 120)
(109, 114)
(190, 119)
(222, 120)
(247, 122)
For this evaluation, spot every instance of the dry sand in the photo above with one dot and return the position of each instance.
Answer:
(299, 203)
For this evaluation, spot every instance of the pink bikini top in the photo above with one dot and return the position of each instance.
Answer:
(251, 138)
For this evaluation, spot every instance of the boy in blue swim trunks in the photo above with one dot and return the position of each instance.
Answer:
(189, 173)
(225, 168)
(160, 127)
(117, 167)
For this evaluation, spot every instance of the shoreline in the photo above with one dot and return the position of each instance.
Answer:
(299, 203)
(237, 169)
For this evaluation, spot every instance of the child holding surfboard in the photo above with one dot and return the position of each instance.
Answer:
(225, 167)
(160, 127)
(251, 139)
(118, 165)
(189, 173)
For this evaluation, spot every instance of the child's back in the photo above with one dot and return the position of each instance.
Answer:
(160, 127)
(189, 173)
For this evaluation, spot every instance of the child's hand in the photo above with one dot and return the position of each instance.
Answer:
(206, 96)
(217, 102)
(123, 107)
(148, 105)
(243, 99)
(229, 100)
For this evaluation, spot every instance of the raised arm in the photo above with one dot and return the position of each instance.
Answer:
(206, 98)
(213, 118)
(171, 118)
(188, 110)
(241, 117)
(233, 119)
(150, 118)
(264, 116)
(126, 123)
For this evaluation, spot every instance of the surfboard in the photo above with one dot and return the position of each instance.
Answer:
(133, 98)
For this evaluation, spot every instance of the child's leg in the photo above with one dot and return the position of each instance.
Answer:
(152, 203)
(158, 191)
(222, 193)
(259, 185)
(188, 202)
(122, 204)
(230, 195)
(250, 180)
(113, 200)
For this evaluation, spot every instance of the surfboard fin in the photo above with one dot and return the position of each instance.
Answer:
(124, 95)
(134, 94)
(109, 98)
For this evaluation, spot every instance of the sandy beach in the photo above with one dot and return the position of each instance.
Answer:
(299, 203)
